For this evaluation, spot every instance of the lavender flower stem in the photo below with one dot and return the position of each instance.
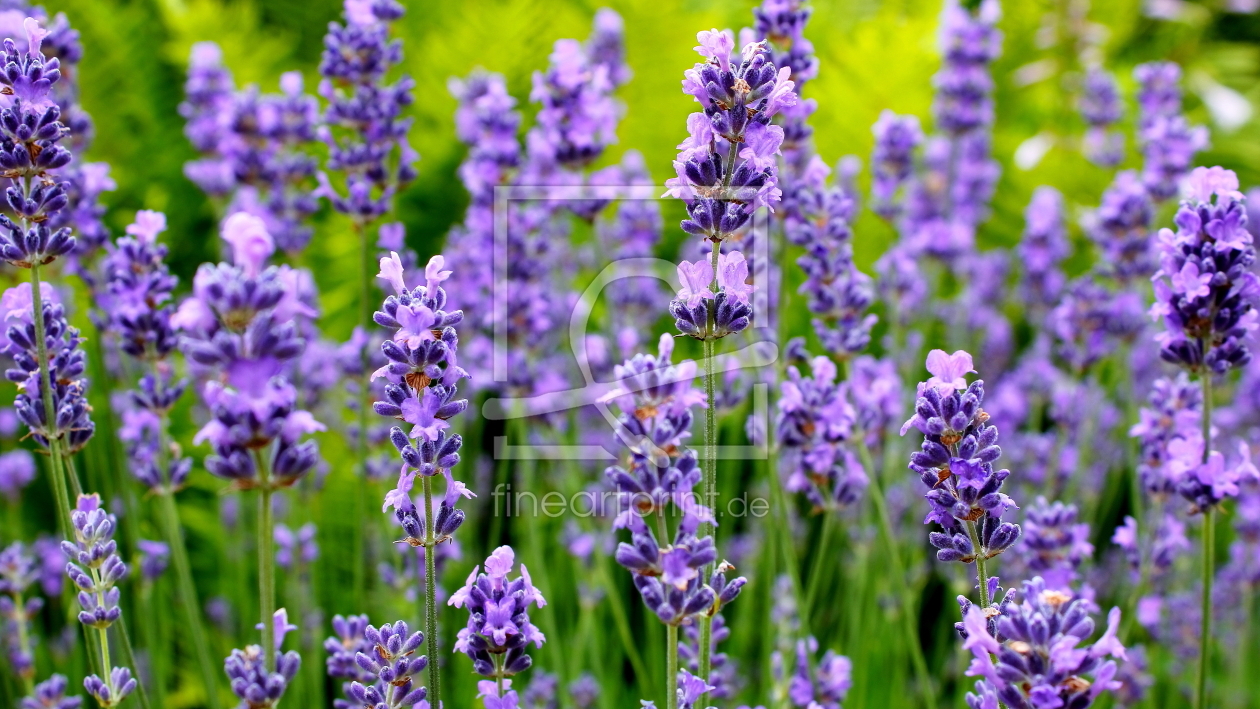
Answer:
(54, 444)
(266, 562)
(24, 643)
(710, 484)
(671, 666)
(1209, 549)
(366, 307)
(821, 557)
(982, 576)
(188, 594)
(430, 595)
(1205, 622)
(900, 587)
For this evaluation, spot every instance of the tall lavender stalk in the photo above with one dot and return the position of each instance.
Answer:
(239, 323)
(955, 463)
(422, 377)
(30, 243)
(1205, 293)
(366, 135)
(135, 304)
(726, 170)
(95, 569)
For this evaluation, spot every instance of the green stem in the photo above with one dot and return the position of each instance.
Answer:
(188, 594)
(710, 486)
(671, 666)
(56, 472)
(900, 586)
(821, 557)
(266, 562)
(982, 576)
(430, 595)
(1205, 623)
(366, 306)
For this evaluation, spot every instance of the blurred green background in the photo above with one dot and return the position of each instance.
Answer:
(874, 55)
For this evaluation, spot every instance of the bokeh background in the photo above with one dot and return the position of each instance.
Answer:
(874, 55)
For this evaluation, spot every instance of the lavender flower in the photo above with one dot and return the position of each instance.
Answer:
(364, 128)
(389, 659)
(240, 319)
(723, 675)
(822, 683)
(95, 569)
(1055, 543)
(17, 470)
(656, 398)
(815, 423)
(1121, 227)
(1101, 107)
(956, 465)
(499, 631)
(51, 694)
(577, 117)
(1036, 644)
(66, 367)
(31, 129)
(892, 160)
(1043, 249)
(295, 547)
(343, 650)
(422, 377)
(1169, 142)
(606, 46)
(818, 218)
(1173, 415)
(17, 573)
(584, 691)
(154, 557)
(1205, 292)
(252, 682)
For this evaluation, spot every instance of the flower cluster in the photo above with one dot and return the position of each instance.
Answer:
(1121, 227)
(96, 569)
(781, 23)
(247, 670)
(577, 115)
(422, 387)
(1040, 660)
(892, 160)
(61, 414)
(703, 314)
(389, 659)
(135, 304)
(51, 694)
(1101, 107)
(30, 135)
(816, 425)
(343, 648)
(818, 218)
(823, 683)
(17, 573)
(1205, 291)
(254, 145)
(240, 321)
(364, 129)
(1043, 249)
(499, 631)
(1165, 428)
(656, 397)
(955, 463)
(1169, 142)
(1055, 544)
